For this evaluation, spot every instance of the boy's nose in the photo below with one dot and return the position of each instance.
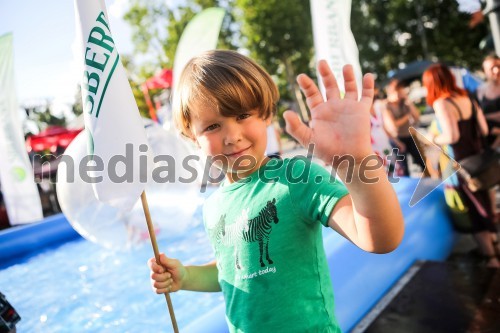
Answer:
(233, 134)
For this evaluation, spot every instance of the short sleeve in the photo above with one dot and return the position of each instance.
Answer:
(313, 190)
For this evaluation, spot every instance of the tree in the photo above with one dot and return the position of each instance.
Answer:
(78, 105)
(156, 30)
(43, 116)
(394, 32)
(278, 34)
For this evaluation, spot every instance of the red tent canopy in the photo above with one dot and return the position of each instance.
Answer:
(51, 139)
(162, 80)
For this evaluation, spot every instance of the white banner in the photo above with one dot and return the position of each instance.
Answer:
(20, 193)
(469, 6)
(333, 38)
(200, 35)
(117, 139)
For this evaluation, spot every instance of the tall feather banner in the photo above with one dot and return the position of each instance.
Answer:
(20, 193)
(333, 38)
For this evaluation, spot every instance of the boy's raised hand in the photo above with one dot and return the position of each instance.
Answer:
(339, 126)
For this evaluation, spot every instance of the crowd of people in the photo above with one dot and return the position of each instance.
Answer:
(462, 119)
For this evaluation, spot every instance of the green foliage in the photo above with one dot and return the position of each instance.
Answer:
(148, 20)
(394, 32)
(77, 107)
(42, 115)
(135, 80)
(157, 28)
(156, 31)
(275, 30)
(278, 34)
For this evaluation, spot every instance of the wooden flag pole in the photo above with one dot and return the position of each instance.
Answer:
(152, 236)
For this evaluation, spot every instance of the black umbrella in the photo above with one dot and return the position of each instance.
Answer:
(412, 71)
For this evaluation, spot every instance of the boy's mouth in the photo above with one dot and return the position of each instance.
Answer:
(238, 153)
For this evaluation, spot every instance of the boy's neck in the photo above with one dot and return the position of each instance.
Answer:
(234, 177)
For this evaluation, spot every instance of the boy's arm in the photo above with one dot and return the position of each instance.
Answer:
(202, 278)
(171, 276)
(370, 216)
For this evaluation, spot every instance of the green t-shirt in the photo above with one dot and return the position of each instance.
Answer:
(269, 248)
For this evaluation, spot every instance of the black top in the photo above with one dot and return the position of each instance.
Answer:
(469, 142)
(490, 105)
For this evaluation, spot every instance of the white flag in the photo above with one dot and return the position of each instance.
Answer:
(333, 38)
(117, 140)
(20, 193)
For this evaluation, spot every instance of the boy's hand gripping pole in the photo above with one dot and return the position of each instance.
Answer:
(152, 236)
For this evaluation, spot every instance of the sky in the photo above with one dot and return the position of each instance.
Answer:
(44, 44)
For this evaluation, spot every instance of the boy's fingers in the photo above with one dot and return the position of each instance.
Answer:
(169, 263)
(368, 89)
(310, 90)
(163, 284)
(160, 276)
(154, 266)
(329, 81)
(296, 128)
(162, 290)
(162, 287)
(351, 89)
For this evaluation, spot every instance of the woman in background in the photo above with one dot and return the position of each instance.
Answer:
(381, 139)
(488, 95)
(398, 116)
(459, 134)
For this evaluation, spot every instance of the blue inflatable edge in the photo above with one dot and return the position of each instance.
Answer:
(19, 243)
(359, 279)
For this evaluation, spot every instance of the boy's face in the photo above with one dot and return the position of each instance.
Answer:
(238, 142)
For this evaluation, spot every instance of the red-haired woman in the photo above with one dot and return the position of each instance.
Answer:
(459, 134)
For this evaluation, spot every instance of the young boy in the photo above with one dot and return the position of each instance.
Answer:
(264, 221)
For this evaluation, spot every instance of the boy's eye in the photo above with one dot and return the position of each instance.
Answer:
(211, 127)
(243, 116)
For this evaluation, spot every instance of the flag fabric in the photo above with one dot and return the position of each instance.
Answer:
(117, 140)
(20, 194)
(333, 38)
(201, 34)
(469, 6)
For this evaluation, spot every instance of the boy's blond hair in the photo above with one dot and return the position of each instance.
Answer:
(226, 80)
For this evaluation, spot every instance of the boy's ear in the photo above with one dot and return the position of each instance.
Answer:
(269, 120)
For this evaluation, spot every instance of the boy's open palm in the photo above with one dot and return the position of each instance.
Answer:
(339, 126)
